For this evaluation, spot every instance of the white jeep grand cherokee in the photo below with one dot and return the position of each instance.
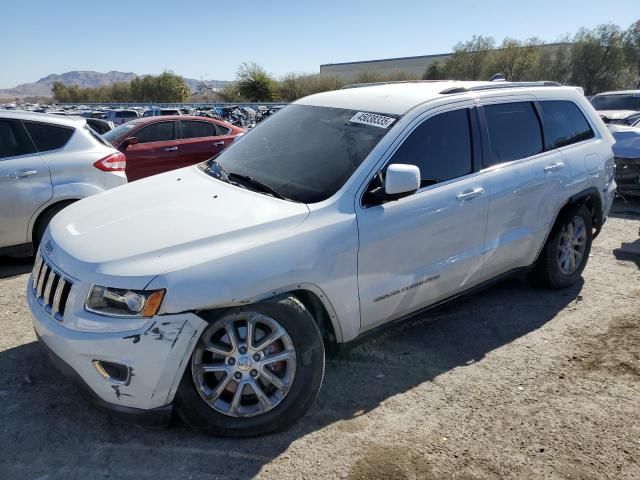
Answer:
(215, 288)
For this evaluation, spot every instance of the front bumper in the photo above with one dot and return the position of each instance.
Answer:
(156, 354)
(628, 176)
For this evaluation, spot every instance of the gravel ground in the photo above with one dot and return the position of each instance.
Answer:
(513, 382)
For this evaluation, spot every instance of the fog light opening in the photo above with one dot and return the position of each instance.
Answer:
(113, 372)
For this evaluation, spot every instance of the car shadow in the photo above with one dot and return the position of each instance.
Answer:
(625, 208)
(49, 429)
(11, 267)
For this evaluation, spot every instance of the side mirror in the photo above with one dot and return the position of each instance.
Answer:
(127, 142)
(401, 180)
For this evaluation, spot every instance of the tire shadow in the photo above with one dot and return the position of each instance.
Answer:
(11, 267)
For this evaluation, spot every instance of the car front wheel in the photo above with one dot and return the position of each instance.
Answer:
(255, 370)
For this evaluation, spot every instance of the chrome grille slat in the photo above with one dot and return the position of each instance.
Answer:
(43, 275)
(50, 287)
(47, 289)
(55, 305)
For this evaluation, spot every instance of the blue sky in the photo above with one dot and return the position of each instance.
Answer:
(211, 38)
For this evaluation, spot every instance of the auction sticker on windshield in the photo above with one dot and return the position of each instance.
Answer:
(373, 119)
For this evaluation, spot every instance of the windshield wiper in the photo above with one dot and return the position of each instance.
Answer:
(217, 171)
(247, 181)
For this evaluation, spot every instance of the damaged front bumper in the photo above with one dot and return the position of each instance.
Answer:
(627, 176)
(154, 356)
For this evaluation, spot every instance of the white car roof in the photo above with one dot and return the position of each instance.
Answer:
(63, 120)
(397, 98)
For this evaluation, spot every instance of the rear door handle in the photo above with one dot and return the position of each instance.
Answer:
(218, 144)
(554, 167)
(469, 194)
(22, 173)
(171, 149)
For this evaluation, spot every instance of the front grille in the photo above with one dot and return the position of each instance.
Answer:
(50, 287)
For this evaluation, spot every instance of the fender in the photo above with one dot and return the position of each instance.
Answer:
(62, 193)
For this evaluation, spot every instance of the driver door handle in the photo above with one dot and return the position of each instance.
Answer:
(554, 167)
(469, 194)
(171, 149)
(22, 173)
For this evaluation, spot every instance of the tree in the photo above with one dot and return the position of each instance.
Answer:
(435, 71)
(255, 83)
(468, 61)
(515, 59)
(632, 50)
(293, 86)
(598, 59)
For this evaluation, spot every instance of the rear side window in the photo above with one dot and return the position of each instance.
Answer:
(156, 132)
(48, 137)
(13, 141)
(564, 124)
(514, 132)
(198, 129)
(222, 130)
(440, 147)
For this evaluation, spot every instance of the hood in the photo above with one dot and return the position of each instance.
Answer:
(165, 222)
(627, 141)
(616, 114)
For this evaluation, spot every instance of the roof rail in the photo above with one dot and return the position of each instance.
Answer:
(390, 82)
(499, 85)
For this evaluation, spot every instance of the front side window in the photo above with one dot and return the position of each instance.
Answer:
(514, 132)
(156, 132)
(564, 124)
(13, 141)
(304, 153)
(48, 137)
(193, 129)
(440, 147)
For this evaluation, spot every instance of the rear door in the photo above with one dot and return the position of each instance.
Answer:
(157, 150)
(25, 183)
(202, 140)
(515, 168)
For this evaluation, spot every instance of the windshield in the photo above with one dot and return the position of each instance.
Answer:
(116, 133)
(629, 101)
(304, 153)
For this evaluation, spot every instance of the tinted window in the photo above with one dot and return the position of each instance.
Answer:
(120, 133)
(126, 114)
(222, 130)
(13, 140)
(630, 101)
(305, 153)
(156, 132)
(440, 147)
(198, 129)
(514, 132)
(564, 124)
(48, 137)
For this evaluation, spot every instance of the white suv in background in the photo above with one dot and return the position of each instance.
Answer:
(215, 288)
(46, 163)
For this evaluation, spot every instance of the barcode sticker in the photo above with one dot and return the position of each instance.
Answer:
(373, 119)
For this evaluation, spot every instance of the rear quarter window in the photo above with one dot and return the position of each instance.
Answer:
(48, 137)
(564, 124)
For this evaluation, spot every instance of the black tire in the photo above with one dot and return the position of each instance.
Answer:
(292, 315)
(548, 272)
(44, 220)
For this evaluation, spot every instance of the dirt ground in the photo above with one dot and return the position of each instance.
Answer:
(513, 382)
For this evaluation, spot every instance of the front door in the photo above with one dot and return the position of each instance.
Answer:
(25, 183)
(427, 246)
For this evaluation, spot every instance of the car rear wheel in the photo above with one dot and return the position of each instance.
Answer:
(566, 252)
(255, 370)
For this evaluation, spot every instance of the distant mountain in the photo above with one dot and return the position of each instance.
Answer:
(86, 79)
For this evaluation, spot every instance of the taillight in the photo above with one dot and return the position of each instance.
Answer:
(116, 162)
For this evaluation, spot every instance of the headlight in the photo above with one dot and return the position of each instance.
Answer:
(121, 302)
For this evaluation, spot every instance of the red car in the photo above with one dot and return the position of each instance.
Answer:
(158, 144)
